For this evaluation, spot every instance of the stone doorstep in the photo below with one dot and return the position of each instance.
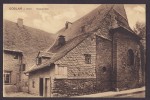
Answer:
(112, 93)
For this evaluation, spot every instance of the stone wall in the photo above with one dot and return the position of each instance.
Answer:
(81, 77)
(12, 65)
(127, 75)
(75, 60)
(19, 80)
(100, 50)
(72, 87)
(10, 88)
(103, 63)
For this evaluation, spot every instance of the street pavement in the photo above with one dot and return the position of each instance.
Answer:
(132, 93)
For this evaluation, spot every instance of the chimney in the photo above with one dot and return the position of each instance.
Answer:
(67, 25)
(20, 22)
(61, 40)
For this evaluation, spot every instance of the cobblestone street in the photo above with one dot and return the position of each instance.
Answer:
(132, 93)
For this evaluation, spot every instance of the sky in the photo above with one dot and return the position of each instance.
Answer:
(52, 17)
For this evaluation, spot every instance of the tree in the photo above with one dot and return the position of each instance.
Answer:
(140, 29)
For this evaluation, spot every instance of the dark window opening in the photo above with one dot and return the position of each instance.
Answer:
(83, 29)
(16, 56)
(23, 67)
(7, 77)
(33, 83)
(87, 58)
(61, 40)
(39, 60)
(104, 69)
(130, 57)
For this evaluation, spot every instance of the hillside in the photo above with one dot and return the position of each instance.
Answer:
(27, 39)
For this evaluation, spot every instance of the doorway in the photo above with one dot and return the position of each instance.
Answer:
(45, 87)
(41, 87)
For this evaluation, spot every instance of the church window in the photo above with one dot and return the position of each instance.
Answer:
(130, 57)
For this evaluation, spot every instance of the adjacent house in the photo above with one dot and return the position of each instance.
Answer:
(98, 52)
(13, 71)
(23, 42)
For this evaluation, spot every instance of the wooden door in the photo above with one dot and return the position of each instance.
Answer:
(47, 87)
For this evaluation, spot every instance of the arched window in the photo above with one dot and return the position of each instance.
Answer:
(130, 57)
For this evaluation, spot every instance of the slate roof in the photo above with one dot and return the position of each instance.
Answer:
(89, 20)
(75, 36)
(62, 52)
(27, 39)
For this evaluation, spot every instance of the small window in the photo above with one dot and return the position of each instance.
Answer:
(82, 28)
(130, 57)
(33, 84)
(39, 60)
(87, 58)
(104, 69)
(16, 56)
(7, 77)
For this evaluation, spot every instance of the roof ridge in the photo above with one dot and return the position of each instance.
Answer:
(115, 5)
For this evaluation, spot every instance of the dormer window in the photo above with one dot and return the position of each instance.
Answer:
(61, 40)
(38, 60)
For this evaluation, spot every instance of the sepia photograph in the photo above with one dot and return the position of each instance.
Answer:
(74, 50)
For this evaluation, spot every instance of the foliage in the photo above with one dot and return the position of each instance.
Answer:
(140, 29)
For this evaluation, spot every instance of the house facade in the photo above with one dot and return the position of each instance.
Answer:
(96, 53)
(14, 79)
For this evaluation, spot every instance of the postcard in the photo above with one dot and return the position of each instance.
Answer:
(74, 50)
